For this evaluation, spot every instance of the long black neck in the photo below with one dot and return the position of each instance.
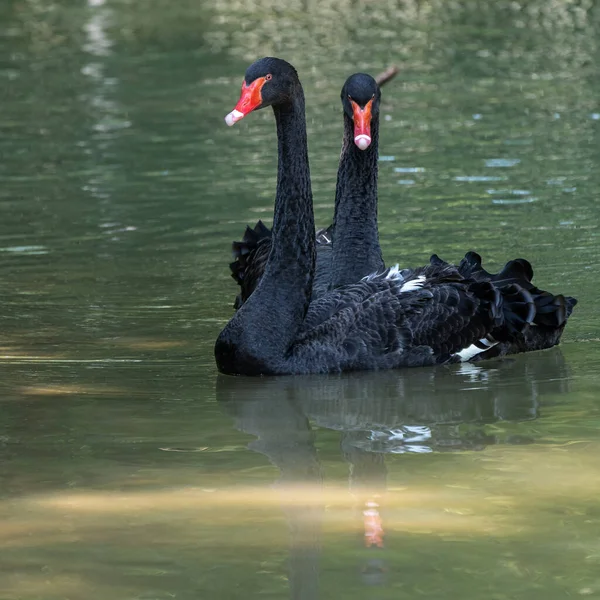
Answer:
(291, 262)
(260, 334)
(356, 250)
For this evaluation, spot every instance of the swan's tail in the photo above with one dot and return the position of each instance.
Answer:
(534, 319)
(528, 318)
(514, 281)
(250, 257)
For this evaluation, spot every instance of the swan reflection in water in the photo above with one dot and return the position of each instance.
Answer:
(437, 409)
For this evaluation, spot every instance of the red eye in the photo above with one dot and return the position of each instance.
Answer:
(268, 77)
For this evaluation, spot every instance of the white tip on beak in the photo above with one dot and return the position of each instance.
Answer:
(233, 117)
(363, 141)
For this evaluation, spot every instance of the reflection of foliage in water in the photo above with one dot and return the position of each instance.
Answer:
(420, 32)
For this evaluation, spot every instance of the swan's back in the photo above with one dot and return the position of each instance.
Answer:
(430, 315)
(411, 317)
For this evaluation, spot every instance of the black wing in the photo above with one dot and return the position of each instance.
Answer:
(251, 254)
(411, 318)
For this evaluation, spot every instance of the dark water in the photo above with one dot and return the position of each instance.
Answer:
(129, 468)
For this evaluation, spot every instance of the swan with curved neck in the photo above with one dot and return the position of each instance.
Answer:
(258, 337)
(389, 319)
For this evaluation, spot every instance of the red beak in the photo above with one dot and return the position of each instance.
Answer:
(362, 124)
(250, 99)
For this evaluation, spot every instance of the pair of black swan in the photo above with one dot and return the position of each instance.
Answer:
(361, 315)
(357, 253)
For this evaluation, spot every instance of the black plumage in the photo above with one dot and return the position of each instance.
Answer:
(251, 254)
(357, 252)
(388, 319)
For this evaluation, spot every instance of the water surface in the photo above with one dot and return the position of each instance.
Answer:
(129, 468)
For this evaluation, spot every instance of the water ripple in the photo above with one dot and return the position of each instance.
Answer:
(477, 178)
(26, 250)
(501, 162)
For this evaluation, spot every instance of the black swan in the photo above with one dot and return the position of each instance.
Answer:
(353, 256)
(394, 318)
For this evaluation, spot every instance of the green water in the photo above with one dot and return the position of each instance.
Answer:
(128, 468)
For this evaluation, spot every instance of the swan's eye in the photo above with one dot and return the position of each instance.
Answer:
(268, 76)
